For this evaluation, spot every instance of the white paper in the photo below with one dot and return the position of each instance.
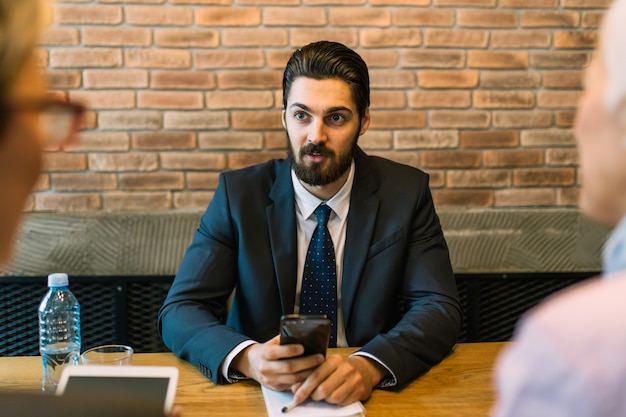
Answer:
(276, 400)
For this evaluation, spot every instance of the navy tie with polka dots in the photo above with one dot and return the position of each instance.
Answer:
(319, 280)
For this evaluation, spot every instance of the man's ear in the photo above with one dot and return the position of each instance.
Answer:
(365, 122)
(282, 118)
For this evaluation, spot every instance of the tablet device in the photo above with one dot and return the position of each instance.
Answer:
(151, 386)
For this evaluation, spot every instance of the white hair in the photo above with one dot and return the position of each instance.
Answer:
(614, 54)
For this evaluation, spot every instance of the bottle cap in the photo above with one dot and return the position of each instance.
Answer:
(58, 280)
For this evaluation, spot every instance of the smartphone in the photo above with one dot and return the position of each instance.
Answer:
(311, 331)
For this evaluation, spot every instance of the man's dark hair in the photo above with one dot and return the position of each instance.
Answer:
(324, 60)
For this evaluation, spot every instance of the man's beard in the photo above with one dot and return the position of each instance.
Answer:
(314, 174)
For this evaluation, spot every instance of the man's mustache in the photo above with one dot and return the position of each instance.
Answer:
(318, 149)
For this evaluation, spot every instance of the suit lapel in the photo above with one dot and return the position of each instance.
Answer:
(281, 221)
(361, 221)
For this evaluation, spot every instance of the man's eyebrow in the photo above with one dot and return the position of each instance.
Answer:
(326, 111)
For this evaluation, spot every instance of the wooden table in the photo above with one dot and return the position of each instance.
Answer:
(460, 386)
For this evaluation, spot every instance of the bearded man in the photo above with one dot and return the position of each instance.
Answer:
(392, 289)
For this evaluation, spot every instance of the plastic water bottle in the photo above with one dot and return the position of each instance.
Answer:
(59, 331)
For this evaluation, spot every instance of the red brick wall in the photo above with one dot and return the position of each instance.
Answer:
(479, 93)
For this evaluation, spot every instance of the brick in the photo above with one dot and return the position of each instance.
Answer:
(212, 2)
(202, 180)
(277, 58)
(380, 38)
(512, 39)
(489, 138)
(451, 159)
(486, 18)
(562, 156)
(513, 158)
(63, 162)
(125, 120)
(592, 19)
(240, 58)
(413, 3)
(564, 118)
(563, 79)
(487, 178)
(244, 159)
(192, 200)
(456, 38)
(357, 17)
(182, 80)
(426, 139)
(137, 201)
(67, 202)
(228, 16)
(163, 140)
(497, 60)
(186, 38)
(232, 140)
(384, 78)
(42, 184)
(104, 99)
(195, 120)
(472, 3)
(376, 140)
(42, 57)
(447, 78)
(592, 4)
(261, 80)
(575, 39)
(387, 99)
(432, 58)
(450, 119)
(90, 120)
(544, 177)
(519, 4)
(474, 198)
(87, 14)
(509, 79)
(116, 36)
(559, 59)
(278, 140)
(525, 197)
(440, 99)
(290, 16)
(422, 17)
(494, 99)
(158, 15)
(256, 120)
(239, 99)
(549, 18)
(170, 99)
(379, 58)
(548, 137)
(112, 162)
(406, 158)
(558, 99)
(522, 119)
(84, 182)
(118, 78)
(437, 178)
(567, 196)
(60, 36)
(101, 141)
(391, 119)
(255, 37)
(152, 181)
(304, 36)
(193, 161)
(86, 57)
(64, 79)
(158, 58)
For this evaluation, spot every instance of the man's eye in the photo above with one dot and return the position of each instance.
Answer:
(300, 115)
(336, 118)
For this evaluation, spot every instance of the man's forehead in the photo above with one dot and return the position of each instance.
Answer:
(326, 92)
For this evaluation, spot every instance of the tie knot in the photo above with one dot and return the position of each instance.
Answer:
(323, 214)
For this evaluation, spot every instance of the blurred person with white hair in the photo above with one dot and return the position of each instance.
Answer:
(568, 356)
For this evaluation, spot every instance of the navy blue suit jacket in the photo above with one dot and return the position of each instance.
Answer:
(399, 296)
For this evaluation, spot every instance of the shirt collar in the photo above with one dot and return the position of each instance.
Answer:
(614, 253)
(339, 203)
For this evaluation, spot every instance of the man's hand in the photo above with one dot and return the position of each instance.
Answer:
(276, 366)
(340, 380)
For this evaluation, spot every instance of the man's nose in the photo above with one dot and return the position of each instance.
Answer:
(317, 132)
